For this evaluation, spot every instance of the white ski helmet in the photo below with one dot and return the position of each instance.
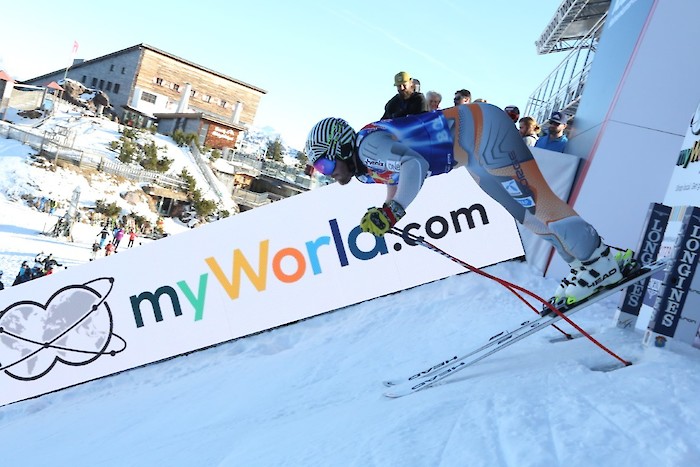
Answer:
(332, 138)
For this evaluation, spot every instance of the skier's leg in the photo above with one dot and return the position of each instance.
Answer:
(504, 167)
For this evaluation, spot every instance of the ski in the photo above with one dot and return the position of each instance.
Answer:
(449, 366)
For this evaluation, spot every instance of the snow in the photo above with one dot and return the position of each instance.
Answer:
(310, 393)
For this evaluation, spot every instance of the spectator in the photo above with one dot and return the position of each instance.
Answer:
(555, 139)
(416, 84)
(50, 262)
(132, 237)
(95, 248)
(462, 97)
(118, 238)
(39, 265)
(2, 286)
(109, 248)
(476, 101)
(529, 130)
(407, 101)
(24, 274)
(513, 112)
(103, 236)
(434, 99)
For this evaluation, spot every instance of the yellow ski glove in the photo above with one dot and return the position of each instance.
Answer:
(379, 221)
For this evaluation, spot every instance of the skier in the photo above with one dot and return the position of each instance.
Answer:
(50, 262)
(103, 236)
(482, 138)
(95, 249)
(118, 238)
(132, 237)
(38, 270)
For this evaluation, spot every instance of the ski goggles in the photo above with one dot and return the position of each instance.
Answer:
(324, 165)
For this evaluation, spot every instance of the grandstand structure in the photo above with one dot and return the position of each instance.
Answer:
(575, 28)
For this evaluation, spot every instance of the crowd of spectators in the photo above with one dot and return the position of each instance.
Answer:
(410, 101)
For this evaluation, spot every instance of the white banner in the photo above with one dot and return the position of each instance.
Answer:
(684, 186)
(267, 267)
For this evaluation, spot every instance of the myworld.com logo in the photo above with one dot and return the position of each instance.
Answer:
(306, 262)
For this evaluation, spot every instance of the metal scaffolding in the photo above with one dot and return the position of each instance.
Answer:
(576, 27)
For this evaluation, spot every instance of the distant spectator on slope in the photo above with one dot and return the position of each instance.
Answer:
(95, 249)
(2, 286)
(118, 238)
(50, 261)
(24, 274)
(109, 248)
(132, 237)
(103, 236)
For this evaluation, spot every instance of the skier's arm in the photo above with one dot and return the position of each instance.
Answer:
(391, 192)
(414, 169)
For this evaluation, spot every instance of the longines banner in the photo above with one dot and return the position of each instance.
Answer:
(274, 265)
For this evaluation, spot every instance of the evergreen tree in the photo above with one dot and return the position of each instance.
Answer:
(274, 150)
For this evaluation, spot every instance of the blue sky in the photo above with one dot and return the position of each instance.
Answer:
(315, 58)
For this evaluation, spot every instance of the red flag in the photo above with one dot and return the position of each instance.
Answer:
(75, 47)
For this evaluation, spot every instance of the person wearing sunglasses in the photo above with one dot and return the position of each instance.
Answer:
(555, 139)
(402, 152)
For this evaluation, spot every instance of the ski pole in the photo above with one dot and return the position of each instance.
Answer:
(513, 288)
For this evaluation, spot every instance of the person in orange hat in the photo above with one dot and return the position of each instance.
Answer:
(407, 101)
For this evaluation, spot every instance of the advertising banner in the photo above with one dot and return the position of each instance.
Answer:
(647, 251)
(265, 268)
(684, 186)
(677, 306)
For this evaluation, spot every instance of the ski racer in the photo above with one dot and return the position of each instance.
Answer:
(402, 152)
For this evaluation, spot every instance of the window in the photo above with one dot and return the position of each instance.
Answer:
(116, 88)
(109, 86)
(159, 81)
(176, 87)
(94, 82)
(102, 84)
(193, 93)
(123, 70)
(222, 103)
(206, 98)
(84, 80)
(148, 97)
(111, 67)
